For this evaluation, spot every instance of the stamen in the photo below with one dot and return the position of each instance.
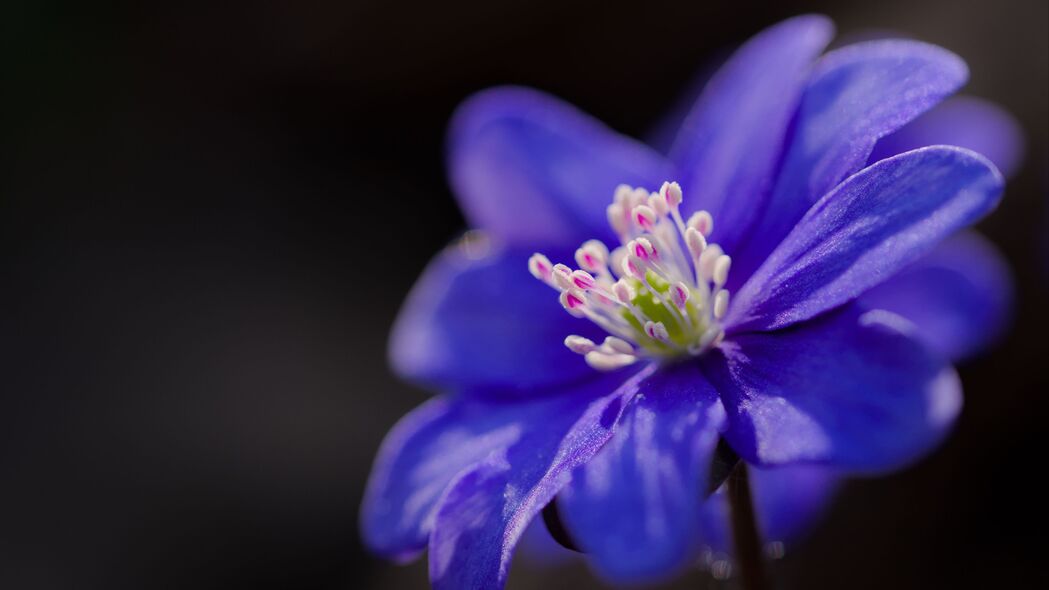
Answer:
(618, 219)
(633, 267)
(579, 345)
(643, 249)
(592, 256)
(658, 203)
(573, 302)
(671, 191)
(583, 280)
(562, 276)
(608, 362)
(638, 196)
(659, 294)
(706, 261)
(540, 267)
(721, 266)
(680, 295)
(695, 241)
(644, 217)
(618, 345)
(657, 331)
(624, 292)
(720, 304)
(709, 337)
(703, 222)
(615, 260)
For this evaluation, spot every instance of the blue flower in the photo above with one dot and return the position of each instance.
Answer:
(791, 294)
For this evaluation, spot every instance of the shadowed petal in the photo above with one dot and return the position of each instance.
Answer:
(449, 436)
(964, 121)
(535, 171)
(958, 296)
(487, 508)
(852, 389)
(731, 142)
(866, 230)
(634, 508)
(787, 503)
(790, 499)
(857, 95)
(477, 319)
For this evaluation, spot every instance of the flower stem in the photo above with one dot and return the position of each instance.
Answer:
(745, 537)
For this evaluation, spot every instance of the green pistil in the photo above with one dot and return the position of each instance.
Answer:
(653, 309)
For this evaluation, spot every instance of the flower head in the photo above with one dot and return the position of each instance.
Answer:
(765, 284)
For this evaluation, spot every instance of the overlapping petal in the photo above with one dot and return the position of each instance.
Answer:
(534, 170)
(478, 320)
(487, 508)
(853, 389)
(446, 438)
(867, 229)
(958, 296)
(964, 121)
(634, 508)
(788, 500)
(408, 477)
(857, 95)
(730, 144)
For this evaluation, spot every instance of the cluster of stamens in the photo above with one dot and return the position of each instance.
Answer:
(659, 294)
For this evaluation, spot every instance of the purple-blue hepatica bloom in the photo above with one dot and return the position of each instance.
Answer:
(790, 294)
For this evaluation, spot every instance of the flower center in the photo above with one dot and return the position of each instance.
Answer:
(660, 294)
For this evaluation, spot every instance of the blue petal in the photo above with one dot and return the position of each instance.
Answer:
(870, 227)
(447, 437)
(964, 121)
(535, 171)
(477, 319)
(634, 508)
(852, 389)
(788, 501)
(486, 509)
(958, 296)
(857, 95)
(731, 142)
(403, 488)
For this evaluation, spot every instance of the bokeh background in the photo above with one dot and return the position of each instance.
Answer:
(211, 211)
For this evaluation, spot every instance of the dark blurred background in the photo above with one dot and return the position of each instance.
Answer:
(192, 344)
